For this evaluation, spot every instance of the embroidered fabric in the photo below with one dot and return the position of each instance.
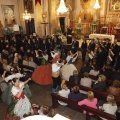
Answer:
(22, 107)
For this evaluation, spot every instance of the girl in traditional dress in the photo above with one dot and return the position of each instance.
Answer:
(43, 74)
(20, 104)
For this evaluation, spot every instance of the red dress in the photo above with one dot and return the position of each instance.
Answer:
(43, 74)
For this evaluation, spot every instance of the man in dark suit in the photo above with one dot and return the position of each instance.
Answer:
(75, 44)
(84, 49)
(92, 45)
(115, 50)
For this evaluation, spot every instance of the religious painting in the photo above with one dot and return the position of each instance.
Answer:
(8, 15)
(114, 5)
(28, 5)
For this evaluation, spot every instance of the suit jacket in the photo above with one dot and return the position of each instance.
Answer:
(75, 44)
(84, 46)
(92, 46)
(100, 86)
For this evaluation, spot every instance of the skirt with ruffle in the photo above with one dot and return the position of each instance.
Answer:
(43, 75)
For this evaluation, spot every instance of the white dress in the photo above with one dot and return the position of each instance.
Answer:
(23, 105)
(67, 71)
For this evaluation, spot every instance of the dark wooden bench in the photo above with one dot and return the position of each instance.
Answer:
(97, 113)
(108, 81)
(97, 94)
(26, 67)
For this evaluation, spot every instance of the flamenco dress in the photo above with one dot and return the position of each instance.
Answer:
(43, 74)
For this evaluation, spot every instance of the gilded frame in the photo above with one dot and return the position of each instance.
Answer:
(8, 15)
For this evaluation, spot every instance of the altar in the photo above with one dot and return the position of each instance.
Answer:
(102, 36)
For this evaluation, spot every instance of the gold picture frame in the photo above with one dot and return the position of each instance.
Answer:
(8, 15)
(114, 5)
(28, 5)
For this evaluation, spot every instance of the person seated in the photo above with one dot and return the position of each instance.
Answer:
(90, 101)
(85, 68)
(100, 84)
(75, 95)
(107, 71)
(109, 107)
(64, 93)
(74, 78)
(94, 71)
(115, 88)
(43, 110)
(86, 81)
(32, 63)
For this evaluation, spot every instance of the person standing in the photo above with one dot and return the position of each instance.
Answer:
(20, 104)
(42, 75)
(84, 50)
(56, 73)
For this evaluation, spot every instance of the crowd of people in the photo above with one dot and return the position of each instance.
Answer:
(53, 62)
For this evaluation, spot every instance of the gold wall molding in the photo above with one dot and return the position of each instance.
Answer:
(85, 3)
(85, 16)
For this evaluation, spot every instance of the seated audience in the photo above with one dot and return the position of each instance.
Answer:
(100, 84)
(43, 110)
(15, 59)
(85, 68)
(75, 95)
(115, 88)
(32, 63)
(74, 78)
(64, 93)
(90, 101)
(109, 107)
(86, 81)
(94, 71)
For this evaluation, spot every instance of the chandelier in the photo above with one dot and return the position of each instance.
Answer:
(26, 15)
(96, 6)
(62, 7)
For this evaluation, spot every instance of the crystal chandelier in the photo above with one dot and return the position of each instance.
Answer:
(26, 15)
(96, 6)
(62, 7)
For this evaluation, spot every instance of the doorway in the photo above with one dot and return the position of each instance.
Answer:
(30, 26)
(62, 24)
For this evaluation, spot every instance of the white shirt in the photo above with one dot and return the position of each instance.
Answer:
(108, 108)
(68, 58)
(55, 68)
(16, 75)
(94, 72)
(15, 90)
(85, 82)
(37, 117)
(53, 55)
(63, 93)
